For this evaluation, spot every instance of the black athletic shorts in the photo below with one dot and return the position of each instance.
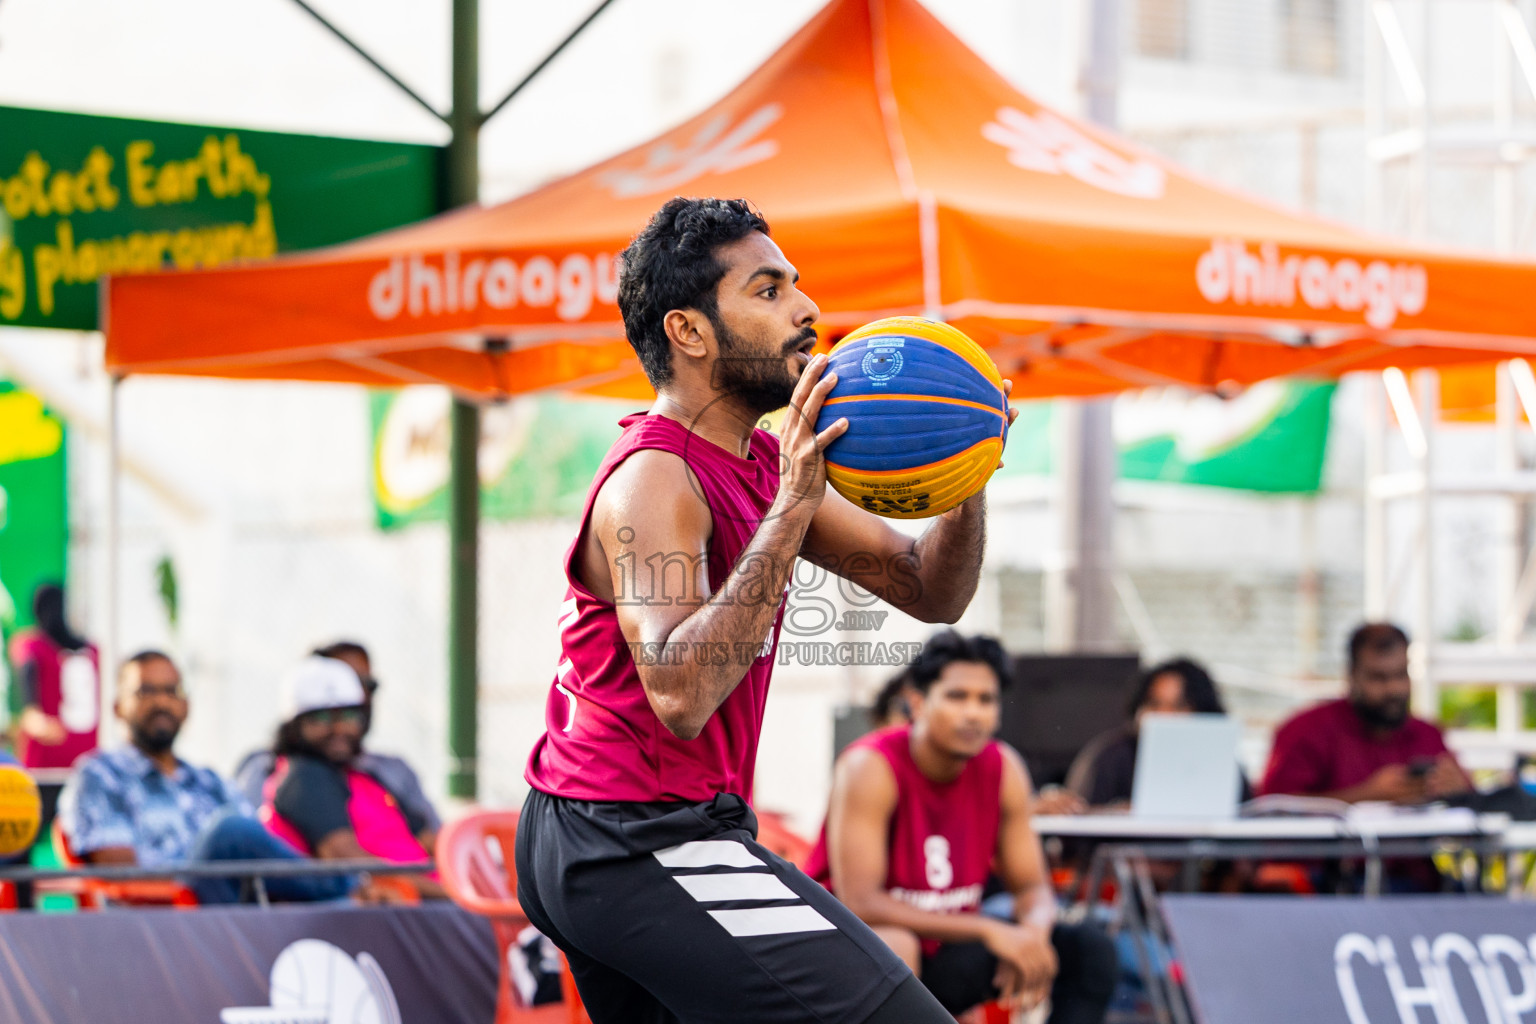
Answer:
(960, 974)
(672, 912)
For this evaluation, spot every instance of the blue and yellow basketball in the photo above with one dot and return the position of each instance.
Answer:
(20, 810)
(927, 417)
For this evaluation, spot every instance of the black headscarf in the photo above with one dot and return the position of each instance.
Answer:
(48, 610)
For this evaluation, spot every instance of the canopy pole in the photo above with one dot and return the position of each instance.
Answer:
(111, 650)
(463, 187)
(1426, 693)
(1375, 560)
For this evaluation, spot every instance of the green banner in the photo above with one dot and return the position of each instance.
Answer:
(34, 507)
(537, 454)
(1271, 438)
(82, 197)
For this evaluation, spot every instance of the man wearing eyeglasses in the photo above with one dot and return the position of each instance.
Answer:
(318, 798)
(391, 772)
(142, 805)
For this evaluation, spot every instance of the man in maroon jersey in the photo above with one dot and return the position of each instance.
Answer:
(636, 852)
(57, 671)
(1366, 746)
(921, 816)
(58, 676)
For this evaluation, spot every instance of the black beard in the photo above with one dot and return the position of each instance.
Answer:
(1381, 718)
(762, 385)
(318, 752)
(152, 740)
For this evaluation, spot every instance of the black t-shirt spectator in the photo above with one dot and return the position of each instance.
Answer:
(314, 795)
(1104, 772)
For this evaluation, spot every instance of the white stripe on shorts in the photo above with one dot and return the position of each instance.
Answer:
(772, 921)
(746, 885)
(708, 853)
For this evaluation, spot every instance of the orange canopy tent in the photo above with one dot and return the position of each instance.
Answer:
(901, 175)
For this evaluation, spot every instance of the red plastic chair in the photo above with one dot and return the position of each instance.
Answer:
(773, 833)
(475, 862)
(95, 893)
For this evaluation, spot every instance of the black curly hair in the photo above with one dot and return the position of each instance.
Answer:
(891, 699)
(1200, 691)
(947, 647)
(672, 264)
(1376, 637)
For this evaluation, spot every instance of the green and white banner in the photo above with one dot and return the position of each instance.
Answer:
(34, 513)
(34, 504)
(538, 455)
(1271, 438)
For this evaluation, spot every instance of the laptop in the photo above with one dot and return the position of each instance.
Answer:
(1186, 767)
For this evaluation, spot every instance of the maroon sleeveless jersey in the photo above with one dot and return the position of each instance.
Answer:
(601, 739)
(69, 689)
(942, 834)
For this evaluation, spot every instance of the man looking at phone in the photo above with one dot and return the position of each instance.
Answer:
(1366, 746)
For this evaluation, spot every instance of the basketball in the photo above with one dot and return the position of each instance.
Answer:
(20, 810)
(926, 413)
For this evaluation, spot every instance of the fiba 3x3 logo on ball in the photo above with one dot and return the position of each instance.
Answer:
(927, 417)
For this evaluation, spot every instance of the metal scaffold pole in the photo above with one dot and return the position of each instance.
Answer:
(111, 647)
(463, 187)
(1081, 600)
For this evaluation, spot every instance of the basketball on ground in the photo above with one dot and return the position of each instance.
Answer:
(927, 417)
(20, 810)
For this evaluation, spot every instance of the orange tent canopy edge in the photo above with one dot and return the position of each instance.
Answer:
(901, 175)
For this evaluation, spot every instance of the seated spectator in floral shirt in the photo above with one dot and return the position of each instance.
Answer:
(317, 797)
(143, 805)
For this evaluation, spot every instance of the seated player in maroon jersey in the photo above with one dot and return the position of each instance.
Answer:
(920, 818)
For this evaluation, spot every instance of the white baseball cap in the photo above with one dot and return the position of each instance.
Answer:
(317, 683)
